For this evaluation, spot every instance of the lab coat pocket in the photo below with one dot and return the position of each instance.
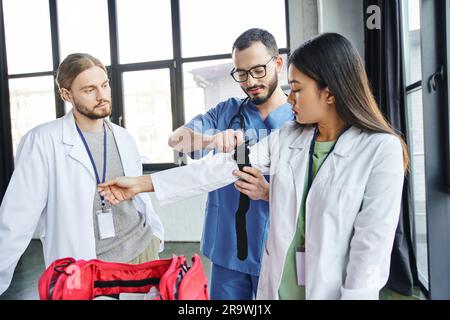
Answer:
(282, 180)
(332, 210)
(336, 201)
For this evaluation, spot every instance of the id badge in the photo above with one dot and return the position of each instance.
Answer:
(105, 224)
(300, 264)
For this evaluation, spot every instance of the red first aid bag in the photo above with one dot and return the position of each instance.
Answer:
(68, 279)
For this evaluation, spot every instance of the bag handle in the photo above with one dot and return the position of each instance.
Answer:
(50, 276)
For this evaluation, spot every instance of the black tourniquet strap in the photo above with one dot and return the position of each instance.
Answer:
(244, 204)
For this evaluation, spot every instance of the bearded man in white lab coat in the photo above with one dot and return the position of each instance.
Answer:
(64, 160)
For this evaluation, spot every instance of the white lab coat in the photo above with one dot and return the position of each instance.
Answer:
(54, 184)
(352, 209)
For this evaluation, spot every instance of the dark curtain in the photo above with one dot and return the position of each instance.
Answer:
(383, 57)
(6, 153)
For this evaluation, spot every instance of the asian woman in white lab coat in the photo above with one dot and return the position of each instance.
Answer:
(337, 175)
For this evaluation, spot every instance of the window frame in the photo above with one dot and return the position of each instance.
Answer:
(116, 70)
(411, 88)
(435, 50)
(446, 80)
(435, 47)
(6, 148)
(422, 282)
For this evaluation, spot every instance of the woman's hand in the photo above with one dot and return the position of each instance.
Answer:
(226, 141)
(253, 183)
(124, 188)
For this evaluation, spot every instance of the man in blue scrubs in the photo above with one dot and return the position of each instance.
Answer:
(257, 65)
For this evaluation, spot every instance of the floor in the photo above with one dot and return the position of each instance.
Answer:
(31, 266)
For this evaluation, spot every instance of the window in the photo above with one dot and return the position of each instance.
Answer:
(28, 49)
(417, 179)
(148, 114)
(32, 103)
(83, 27)
(225, 21)
(168, 60)
(29, 54)
(415, 130)
(411, 35)
(145, 30)
(206, 84)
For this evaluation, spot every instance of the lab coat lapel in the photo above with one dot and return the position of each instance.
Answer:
(343, 148)
(298, 162)
(72, 138)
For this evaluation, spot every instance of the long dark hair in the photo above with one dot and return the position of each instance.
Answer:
(332, 61)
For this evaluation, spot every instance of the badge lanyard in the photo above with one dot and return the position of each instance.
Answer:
(92, 158)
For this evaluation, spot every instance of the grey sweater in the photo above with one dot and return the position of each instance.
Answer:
(133, 234)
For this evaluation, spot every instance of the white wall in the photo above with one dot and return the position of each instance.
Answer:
(182, 221)
(303, 21)
(345, 17)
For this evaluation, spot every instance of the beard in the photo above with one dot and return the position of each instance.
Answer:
(94, 113)
(261, 99)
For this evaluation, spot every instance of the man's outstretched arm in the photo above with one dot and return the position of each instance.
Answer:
(125, 188)
(175, 184)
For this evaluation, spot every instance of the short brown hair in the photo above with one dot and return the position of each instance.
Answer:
(251, 36)
(72, 66)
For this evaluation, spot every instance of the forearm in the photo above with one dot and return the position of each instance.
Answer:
(197, 178)
(186, 140)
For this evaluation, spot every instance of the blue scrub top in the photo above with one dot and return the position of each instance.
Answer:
(219, 232)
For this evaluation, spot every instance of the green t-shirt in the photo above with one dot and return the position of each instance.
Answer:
(289, 290)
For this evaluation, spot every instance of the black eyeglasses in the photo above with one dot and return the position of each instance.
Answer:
(257, 72)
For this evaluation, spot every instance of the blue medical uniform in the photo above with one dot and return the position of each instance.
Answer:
(219, 233)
